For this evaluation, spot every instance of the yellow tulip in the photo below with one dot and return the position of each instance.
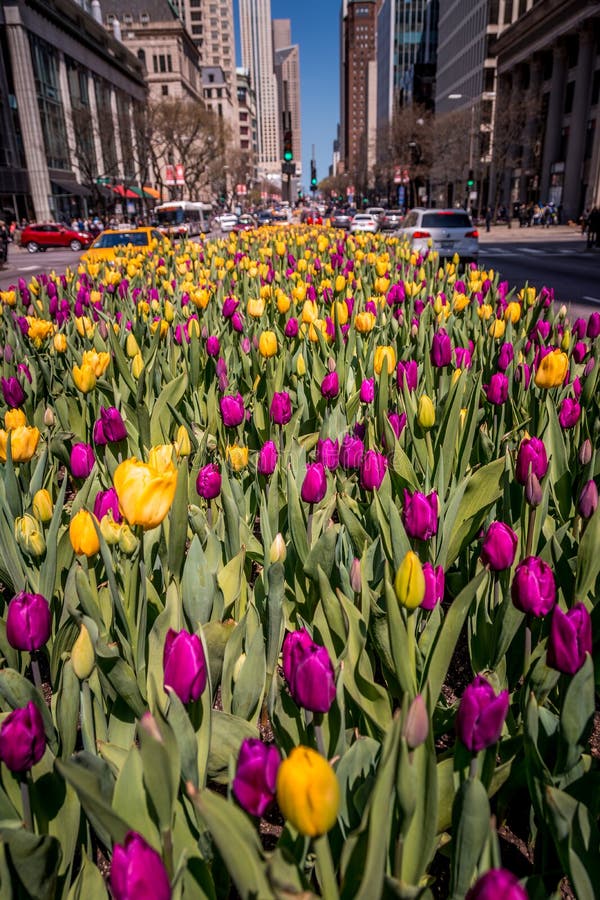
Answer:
(146, 490)
(84, 539)
(84, 378)
(497, 328)
(409, 583)
(111, 530)
(300, 365)
(566, 340)
(83, 656)
(340, 284)
(460, 302)
(552, 369)
(513, 312)
(85, 327)
(283, 302)
(29, 536)
(308, 792)
(237, 456)
(309, 312)
(39, 330)
(14, 418)
(131, 346)
(426, 412)
(341, 311)
(97, 361)
(60, 343)
(137, 365)
(23, 443)
(183, 446)
(365, 322)
(485, 311)
(267, 344)
(386, 353)
(42, 505)
(256, 307)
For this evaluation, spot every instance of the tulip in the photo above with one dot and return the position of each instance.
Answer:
(570, 639)
(585, 453)
(415, 727)
(588, 500)
(83, 535)
(137, 871)
(14, 418)
(314, 486)
(212, 345)
(330, 386)
(328, 453)
(552, 369)
(441, 349)
(42, 505)
(106, 503)
(495, 884)
(278, 550)
(593, 326)
(112, 425)
(281, 408)
(372, 470)
(22, 739)
(267, 344)
(208, 482)
(308, 792)
(351, 452)
(497, 390)
(398, 423)
(481, 715)
(506, 356)
(409, 582)
(99, 362)
(407, 373)
(84, 378)
(434, 585)
(365, 322)
(367, 390)
(28, 621)
(533, 490)
(82, 460)
(425, 412)
(499, 546)
(29, 536)
(146, 490)
(23, 443)
(237, 456)
(83, 655)
(232, 410)
(183, 445)
(531, 457)
(420, 514)
(255, 778)
(384, 355)
(569, 413)
(267, 458)
(308, 671)
(533, 589)
(291, 328)
(184, 665)
(13, 393)
(230, 304)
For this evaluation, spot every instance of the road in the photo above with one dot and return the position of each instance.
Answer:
(556, 258)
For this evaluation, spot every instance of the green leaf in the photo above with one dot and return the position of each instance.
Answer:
(578, 705)
(91, 779)
(66, 702)
(470, 827)
(588, 559)
(420, 840)
(89, 884)
(227, 734)
(160, 417)
(479, 491)
(36, 860)
(178, 522)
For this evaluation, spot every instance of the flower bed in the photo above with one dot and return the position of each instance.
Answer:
(258, 497)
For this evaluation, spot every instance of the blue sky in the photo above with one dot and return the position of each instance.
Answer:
(315, 27)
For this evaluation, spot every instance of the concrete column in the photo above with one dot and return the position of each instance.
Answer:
(65, 96)
(532, 123)
(573, 164)
(113, 106)
(554, 119)
(29, 113)
(95, 126)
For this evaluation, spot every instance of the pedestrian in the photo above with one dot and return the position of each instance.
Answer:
(488, 218)
(3, 243)
(583, 220)
(592, 227)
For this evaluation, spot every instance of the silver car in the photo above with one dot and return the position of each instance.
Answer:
(363, 222)
(448, 231)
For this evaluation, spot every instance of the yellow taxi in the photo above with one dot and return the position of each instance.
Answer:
(113, 242)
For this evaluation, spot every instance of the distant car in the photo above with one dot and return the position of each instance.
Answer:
(41, 237)
(227, 222)
(375, 211)
(245, 222)
(363, 222)
(341, 218)
(114, 242)
(448, 231)
(391, 219)
(265, 217)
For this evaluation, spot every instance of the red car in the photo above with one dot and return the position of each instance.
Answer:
(40, 237)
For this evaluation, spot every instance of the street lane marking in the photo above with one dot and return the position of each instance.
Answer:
(592, 299)
(533, 250)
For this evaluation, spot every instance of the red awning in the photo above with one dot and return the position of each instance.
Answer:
(123, 192)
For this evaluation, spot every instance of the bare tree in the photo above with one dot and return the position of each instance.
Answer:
(454, 143)
(516, 121)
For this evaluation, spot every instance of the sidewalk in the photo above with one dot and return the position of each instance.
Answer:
(537, 234)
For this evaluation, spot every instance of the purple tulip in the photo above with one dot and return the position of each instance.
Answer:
(420, 514)
(208, 482)
(351, 452)
(506, 356)
(398, 422)
(184, 665)
(570, 639)
(588, 500)
(314, 486)
(407, 373)
(291, 328)
(107, 502)
(481, 715)
(137, 871)
(22, 738)
(579, 351)
(330, 386)
(367, 390)
(281, 408)
(98, 435)
(237, 323)
(463, 357)
(267, 458)
(497, 390)
(13, 393)
(28, 621)
(82, 460)
(533, 490)
(593, 326)
(441, 349)
(434, 585)
(531, 456)
(308, 671)
(113, 426)
(533, 589)
(328, 453)
(255, 778)
(579, 328)
(232, 410)
(372, 470)
(212, 345)
(499, 546)
(569, 413)
(496, 884)
(230, 304)
(585, 453)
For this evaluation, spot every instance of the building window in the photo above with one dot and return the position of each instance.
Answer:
(564, 143)
(211, 78)
(109, 153)
(596, 87)
(164, 89)
(572, 50)
(589, 138)
(141, 55)
(45, 70)
(569, 95)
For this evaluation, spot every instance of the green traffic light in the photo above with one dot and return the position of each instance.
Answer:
(288, 156)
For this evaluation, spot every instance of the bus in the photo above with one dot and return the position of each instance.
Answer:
(181, 218)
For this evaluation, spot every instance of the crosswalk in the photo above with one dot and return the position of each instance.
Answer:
(518, 252)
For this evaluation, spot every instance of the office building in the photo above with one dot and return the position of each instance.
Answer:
(286, 64)
(248, 129)
(256, 37)
(358, 90)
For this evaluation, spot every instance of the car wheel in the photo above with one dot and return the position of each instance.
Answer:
(32, 247)
(75, 245)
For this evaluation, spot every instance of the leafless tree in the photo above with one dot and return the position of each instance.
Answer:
(516, 122)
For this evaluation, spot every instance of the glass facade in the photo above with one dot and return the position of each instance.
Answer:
(78, 78)
(45, 69)
(109, 152)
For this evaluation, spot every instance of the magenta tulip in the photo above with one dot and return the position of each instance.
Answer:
(497, 884)
(107, 502)
(420, 514)
(531, 456)
(232, 410)
(314, 486)
(367, 390)
(330, 386)
(28, 621)
(481, 715)
(497, 390)
(255, 778)
(588, 500)
(372, 470)
(569, 413)
(351, 452)
(434, 585)
(441, 349)
(184, 665)
(533, 589)
(570, 639)
(82, 460)
(267, 458)
(208, 482)
(328, 453)
(499, 546)
(137, 871)
(308, 671)
(281, 408)
(22, 739)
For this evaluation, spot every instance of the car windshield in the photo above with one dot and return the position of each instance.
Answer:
(135, 238)
(446, 220)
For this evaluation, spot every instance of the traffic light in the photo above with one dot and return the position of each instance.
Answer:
(288, 150)
(470, 179)
(313, 174)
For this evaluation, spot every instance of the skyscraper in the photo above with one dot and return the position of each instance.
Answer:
(286, 62)
(257, 56)
(358, 27)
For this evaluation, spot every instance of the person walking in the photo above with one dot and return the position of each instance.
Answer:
(488, 218)
(592, 227)
(3, 243)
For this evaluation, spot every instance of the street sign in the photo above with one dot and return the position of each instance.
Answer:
(179, 174)
(350, 191)
(397, 175)
(241, 189)
(169, 174)
(288, 168)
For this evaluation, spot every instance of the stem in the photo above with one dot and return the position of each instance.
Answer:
(527, 657)
(412, 645)
(320, 738)
(429, 445)
(168, 852)
(496, 590)
(35, 671)
(325, 869)
(26, 801)
(576, 527)
(309, 524)
(530, 527)
(88, 731)
(473, 767)
(209, 514)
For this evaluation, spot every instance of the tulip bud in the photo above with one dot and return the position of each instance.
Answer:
(533, 490)
(588, 500)
(278, 550)
(131, 346)
(28, 535)
(355, 576)
(48, 417)
(183, 445)
(416, 725)
(409, 583)
(585, 452)
(426, 412)
(42, 505)
(497, 883)
(481, 715)
(304, 775)
(300, 365)
(83, 656)
(255, 779)
(308, 671)
(22, 738)
(562, 312)
(28, 621)
(127, 540)
(83, 535)
(111, 530)
(137, 365)
(138, 871)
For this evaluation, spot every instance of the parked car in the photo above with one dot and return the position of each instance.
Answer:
(265, 217)
(50, 234)
(391, 219)
(375, 211)
(448, 231)
(114, 242)
(342, 218)
(227, 222)
(363, 222)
